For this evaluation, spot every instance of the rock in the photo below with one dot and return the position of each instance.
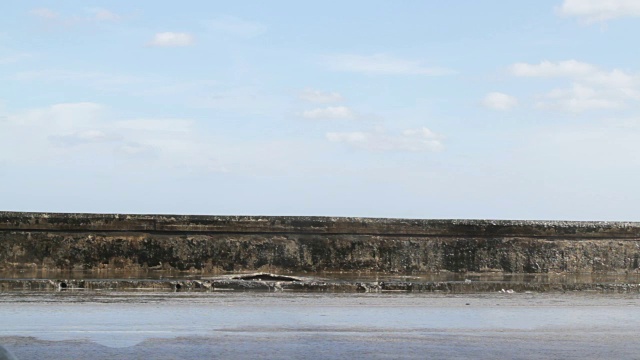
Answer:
(6, 355)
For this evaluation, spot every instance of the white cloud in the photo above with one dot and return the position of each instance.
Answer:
(382, 64)
(235, 26)
(499, 101)
(411, 140)
(600, 10)
(321, 97)
(44, 13)
(591, 88)
(172, 39)
(330, 112)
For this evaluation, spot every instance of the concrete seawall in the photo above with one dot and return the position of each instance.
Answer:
(210, 244)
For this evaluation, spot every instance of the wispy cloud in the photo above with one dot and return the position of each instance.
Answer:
(579, 98)
(499, 101)
(82, 137)
(165, 125)
(382, 64)
(90, 15)
(235, 26)
(104, 14)
(12, 57)
(68, 130)
(172, 39)
(86, 77)
(410, 140)
(83, 79)
(330, 112)
(44, 13)
(591, 88)
(59, 118)
(321, 97)
(575, 70)
(600, 10)
(567, 68)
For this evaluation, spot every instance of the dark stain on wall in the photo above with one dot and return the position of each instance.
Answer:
(313, 244)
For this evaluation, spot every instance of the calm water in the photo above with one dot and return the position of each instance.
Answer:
(230, 325)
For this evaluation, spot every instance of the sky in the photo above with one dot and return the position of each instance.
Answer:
(414, 109)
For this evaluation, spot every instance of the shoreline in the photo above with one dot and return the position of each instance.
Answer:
(266, 282)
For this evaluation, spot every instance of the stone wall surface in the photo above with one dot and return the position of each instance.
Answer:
(313, 244)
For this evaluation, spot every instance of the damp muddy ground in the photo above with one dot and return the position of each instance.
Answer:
(249, 325)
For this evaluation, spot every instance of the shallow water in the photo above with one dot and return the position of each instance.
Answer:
(281, 325)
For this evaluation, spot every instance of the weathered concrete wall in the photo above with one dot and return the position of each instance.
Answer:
(458, 287)
(309, 244)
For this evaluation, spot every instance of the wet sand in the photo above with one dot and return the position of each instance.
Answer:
(248, 325)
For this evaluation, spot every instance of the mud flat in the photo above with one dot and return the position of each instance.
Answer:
(191, 287)
(249, 325)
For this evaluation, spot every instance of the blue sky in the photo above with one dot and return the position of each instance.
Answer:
(420, 109)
